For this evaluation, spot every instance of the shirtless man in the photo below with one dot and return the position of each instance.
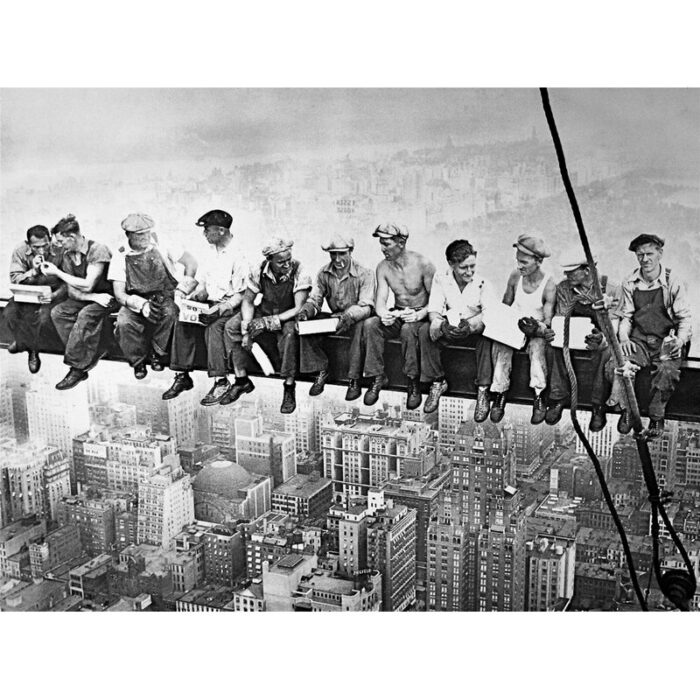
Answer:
(532, 293)
(409, 276)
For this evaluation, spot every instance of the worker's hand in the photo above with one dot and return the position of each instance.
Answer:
(103, 299)
(409, 316)
(37, 262)
(675, 351)
(256, 327)
(387, 319)
(594, 339)
(529, 326)
(303, 315)
(247, 341)
(628, 347)
(48, 268)
(344, 322)
(435, 329)
(199, 294)
(210, 315)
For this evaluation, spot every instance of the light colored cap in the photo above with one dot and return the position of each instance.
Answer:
(276, 245)
(532, 245)
(339, 243)
(572, 258)
(137, 223)
(390, 231)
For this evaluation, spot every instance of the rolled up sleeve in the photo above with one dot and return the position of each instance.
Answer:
(437, 302)
(681, 311)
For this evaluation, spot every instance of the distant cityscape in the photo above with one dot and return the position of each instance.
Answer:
(117, 500)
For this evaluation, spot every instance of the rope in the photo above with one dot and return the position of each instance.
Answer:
(605, 325)
(596, 463)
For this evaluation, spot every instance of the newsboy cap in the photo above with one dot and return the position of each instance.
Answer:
(645, 238)
(276, 245)
(339, 243)
(137, 223)
(532, 245)
(390, 231)
(216, 217)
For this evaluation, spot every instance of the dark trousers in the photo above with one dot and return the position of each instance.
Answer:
(81, 326)
(184, 345)
(29, 323)
(282, 347)
(376, 333)
(431, 360)
(137, 336)
(559, 386)
(665, 374)
(314, 359)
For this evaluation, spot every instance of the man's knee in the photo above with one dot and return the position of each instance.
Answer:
(372, 325)
(411, 331)
(289, 328)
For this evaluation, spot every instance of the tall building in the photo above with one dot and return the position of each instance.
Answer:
(37, 479)
(265, 452)
(166, 505)
(7, 416)
(16, 538)
(175, 418)
(602, 442)
(304, 495)
(302, 424)
(551, 568)
(452, 412)
(94, 518)
(391, 550)
(119, 458)
(57, 547)
(53, 422)
(530, 443)
(352, 539)
(365, 450)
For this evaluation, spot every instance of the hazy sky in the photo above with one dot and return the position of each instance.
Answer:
(52, 127)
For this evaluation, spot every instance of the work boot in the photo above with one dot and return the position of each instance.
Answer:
(539, 409)
(182, 382)
(481, 407)
(33, 361)
(624, 425)
(372, 394)
(655, 429)
(437, 389)
(157, 362)
(319, 383)
(140, 370)
(598, 419)
(216, 393)
(553, 415)
(354, 390)
(289, 402)
(74, 376)
(236, 391)
(498, 407)
(14, 348)
(413, 393)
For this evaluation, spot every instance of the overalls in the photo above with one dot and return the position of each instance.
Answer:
(277, 297)
(81, 324)
(147, 275)
(650, 325)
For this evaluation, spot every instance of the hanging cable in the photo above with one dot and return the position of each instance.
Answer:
(679, 587)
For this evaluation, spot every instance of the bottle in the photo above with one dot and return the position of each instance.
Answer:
(668, 345)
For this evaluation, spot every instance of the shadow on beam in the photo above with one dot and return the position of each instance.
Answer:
(460, 367)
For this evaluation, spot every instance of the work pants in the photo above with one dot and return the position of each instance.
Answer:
(282, 347)
(30, 324)
(138, 337)
(502, 357)
(376, 333)
(182, 352)
(81, 326)
(431, 360)
(559, 386)
(313, 358)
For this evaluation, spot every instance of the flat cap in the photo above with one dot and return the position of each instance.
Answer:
(573, 258)
(216, 217)
(645, 238)
(138, 223)
(390, 231)
(339, 243)
(532, 245)
(276, 245)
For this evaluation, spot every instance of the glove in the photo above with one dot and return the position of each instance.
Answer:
(530, 327)
(256, 327)
(209, 318)
(302, 316)
(272, 323)
(344, 322)
(455, 332)
(594, 339)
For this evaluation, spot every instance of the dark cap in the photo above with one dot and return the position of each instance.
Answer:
(645, 238)
(216, 217)
(38, 231)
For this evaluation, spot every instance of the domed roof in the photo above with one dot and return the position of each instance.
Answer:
(222, 477)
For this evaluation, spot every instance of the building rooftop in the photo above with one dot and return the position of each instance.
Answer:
(303, 485)
(17, 528)
(43, 594)
(211, 596)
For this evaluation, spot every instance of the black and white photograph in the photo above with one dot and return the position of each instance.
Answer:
(409, 349)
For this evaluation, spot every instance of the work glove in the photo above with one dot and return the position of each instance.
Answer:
(594, 339)
(208, 317)
(344, 321)
(455, 332)
(530, 327)
(156, 308)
